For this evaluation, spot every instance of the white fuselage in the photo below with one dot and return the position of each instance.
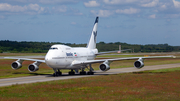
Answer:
(62, 56)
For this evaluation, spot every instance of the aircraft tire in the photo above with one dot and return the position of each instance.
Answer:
(71, 73)
(59, 73)
(90, 73)
(82, 73)
(54, 74)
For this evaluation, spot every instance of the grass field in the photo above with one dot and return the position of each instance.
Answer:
(142, 86)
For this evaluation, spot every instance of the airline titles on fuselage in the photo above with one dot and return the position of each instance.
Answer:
(71, 54)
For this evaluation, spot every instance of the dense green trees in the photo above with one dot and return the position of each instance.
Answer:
(42, 47)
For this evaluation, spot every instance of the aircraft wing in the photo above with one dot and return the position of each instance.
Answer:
(22, 59)
(78, 63)
(100, 53)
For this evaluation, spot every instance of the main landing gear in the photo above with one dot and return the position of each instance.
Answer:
(90, 72)
(57, 72)
(81, 73)
(71, 72)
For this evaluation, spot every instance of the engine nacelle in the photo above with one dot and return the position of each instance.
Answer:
(104, 66)
(138, 64)
(16, 65)
(33, 67)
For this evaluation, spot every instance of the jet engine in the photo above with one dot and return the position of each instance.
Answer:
(139, 63)
(16, 64)
(104, 66)
(33, 67)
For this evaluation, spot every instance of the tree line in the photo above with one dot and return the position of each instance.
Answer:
(43, 47)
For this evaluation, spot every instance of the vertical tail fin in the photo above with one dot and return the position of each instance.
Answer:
(92, 41)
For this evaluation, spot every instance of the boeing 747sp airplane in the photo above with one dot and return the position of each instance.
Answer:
(61, 57)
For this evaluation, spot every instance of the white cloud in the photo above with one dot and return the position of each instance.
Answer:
(102, 13)
(59, 9)
(10, 8)
(41, 1)
(34, 7)
(134, 2)
(107, 13)
(119, 1)
(153, 16)
(91, 4)
(128, 11)
(176, 3)
(28, 9)
(56, 1)
(163, 7)
(73, 23)
(106, 8)
(151, 4)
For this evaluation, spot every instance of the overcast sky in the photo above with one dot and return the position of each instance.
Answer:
(71, 21)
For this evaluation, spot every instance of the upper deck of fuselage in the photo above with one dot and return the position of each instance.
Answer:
(65, 47)
(60, 47)
(62, 51)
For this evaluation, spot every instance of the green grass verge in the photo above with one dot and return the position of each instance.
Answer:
(145, 86)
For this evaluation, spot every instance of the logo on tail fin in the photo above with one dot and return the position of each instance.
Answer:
(95, 34)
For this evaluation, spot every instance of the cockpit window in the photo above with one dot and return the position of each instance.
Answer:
(53, 48)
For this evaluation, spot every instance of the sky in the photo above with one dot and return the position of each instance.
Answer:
(71, 21)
